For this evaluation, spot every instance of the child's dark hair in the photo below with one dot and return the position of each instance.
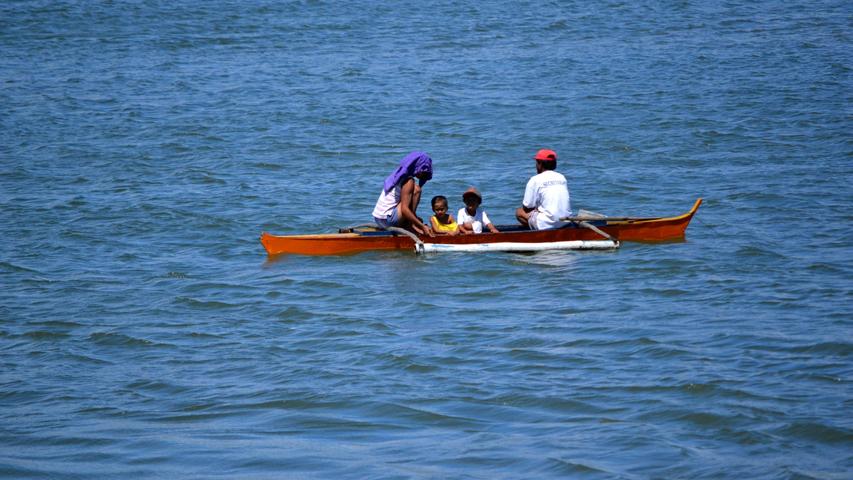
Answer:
(438, 198)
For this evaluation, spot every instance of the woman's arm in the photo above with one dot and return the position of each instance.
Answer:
(408, 207)
(416, 196)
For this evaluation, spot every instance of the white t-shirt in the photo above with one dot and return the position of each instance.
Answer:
(477, 222)
(548, 193)
(387, 202)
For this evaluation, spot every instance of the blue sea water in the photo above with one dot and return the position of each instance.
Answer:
(144, 145)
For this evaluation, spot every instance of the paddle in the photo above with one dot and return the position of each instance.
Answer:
(584, 224)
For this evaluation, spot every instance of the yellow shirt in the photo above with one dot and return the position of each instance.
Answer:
(442, 227)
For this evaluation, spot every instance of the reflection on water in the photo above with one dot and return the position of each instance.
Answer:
(551, 258)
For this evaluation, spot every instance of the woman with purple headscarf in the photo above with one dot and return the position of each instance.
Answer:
(398, 203)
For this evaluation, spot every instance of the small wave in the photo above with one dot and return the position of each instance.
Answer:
(665, 292)
(57, 324)
(43, 335)
(298, 404)
(273, 167)
(89, 359)
(701, 389)
(842, 349)
(419, 415)
(11, 267)
(405, 362)
(818, 432)
(526, 342)
(121, 340)
(756, 197)
(548, 403)
(706, 419)
(752, 251)
(664, 265)
(323, 284)
(558, 466)
(76, 441)
(661, 352)
(192, 417)
(205, 336)
(156, 386)
(292, 313)
(337, 423)
(207, 179)
(102, 411)
(204, 304)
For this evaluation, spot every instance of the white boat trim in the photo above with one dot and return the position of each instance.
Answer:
(517, 246)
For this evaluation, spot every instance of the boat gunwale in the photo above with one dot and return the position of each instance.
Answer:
(513, 228)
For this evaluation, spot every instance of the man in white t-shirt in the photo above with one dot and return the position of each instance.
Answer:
(546, 197)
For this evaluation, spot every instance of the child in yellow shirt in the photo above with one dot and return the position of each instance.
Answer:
(442, 222)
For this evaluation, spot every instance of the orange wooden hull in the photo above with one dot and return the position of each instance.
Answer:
(623, 229)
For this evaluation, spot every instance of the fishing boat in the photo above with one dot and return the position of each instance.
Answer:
(580, 233)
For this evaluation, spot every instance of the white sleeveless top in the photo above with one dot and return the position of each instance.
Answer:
(387, 202)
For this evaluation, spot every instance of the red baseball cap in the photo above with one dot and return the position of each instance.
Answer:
(546, 155)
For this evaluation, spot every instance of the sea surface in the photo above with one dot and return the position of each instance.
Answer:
(145, 145)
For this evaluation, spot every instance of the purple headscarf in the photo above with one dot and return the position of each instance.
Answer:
(413, 164)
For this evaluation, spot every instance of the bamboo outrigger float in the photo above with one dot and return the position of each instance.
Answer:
(582, 233)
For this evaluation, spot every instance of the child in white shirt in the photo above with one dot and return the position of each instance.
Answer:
(469, 219)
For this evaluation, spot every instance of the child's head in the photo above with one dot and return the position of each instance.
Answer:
(472, 199)
(439, 204)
